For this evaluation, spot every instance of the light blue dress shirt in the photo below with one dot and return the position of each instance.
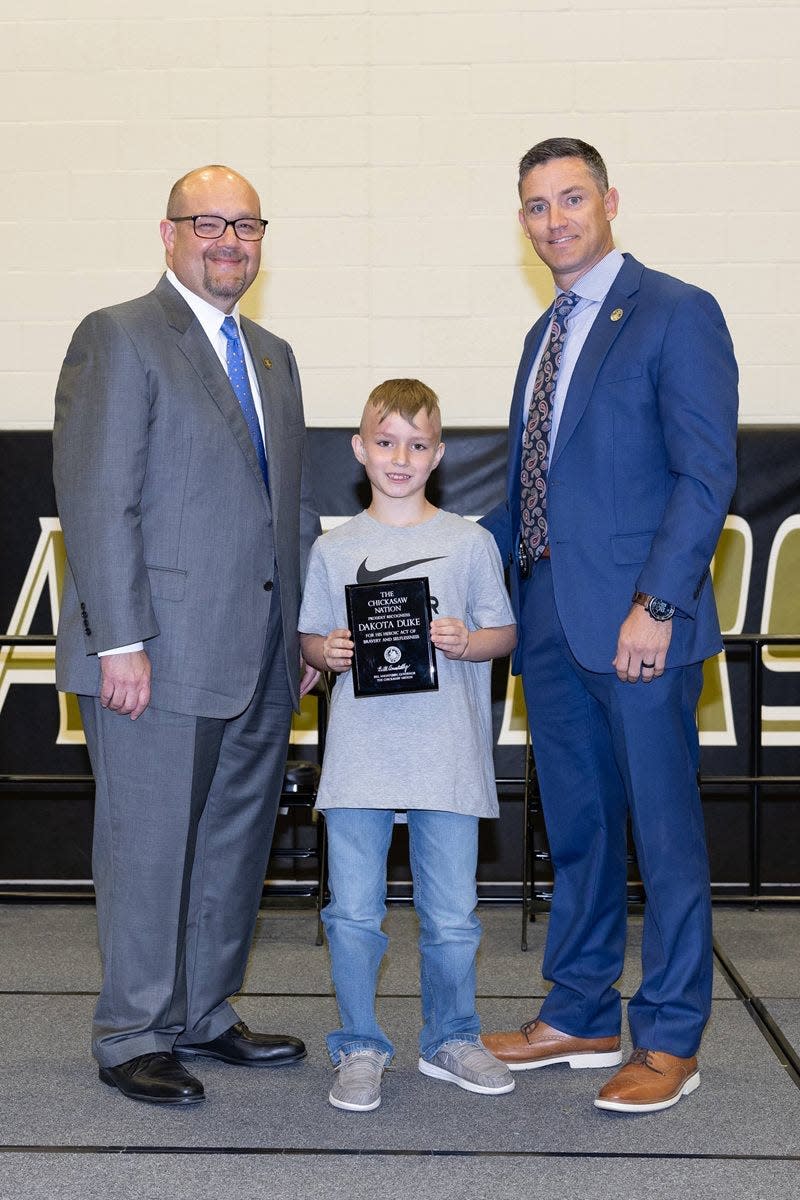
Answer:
(592, 288)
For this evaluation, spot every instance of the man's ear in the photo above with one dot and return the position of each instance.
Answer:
(168, 238)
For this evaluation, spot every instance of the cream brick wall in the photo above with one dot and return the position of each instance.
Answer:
(383, 137)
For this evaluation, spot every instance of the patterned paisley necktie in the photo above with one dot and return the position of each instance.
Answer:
(237, 373)
(536, 439)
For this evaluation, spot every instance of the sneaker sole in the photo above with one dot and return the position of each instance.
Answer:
(691, 1085)
(577, 1061)
(343, 1104)
(435, 1072)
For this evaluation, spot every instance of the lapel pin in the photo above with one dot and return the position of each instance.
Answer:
(616, 314)
(268, 361)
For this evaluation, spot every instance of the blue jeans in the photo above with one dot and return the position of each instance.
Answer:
(443, 853)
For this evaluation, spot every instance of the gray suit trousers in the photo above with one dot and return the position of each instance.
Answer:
(184, 815)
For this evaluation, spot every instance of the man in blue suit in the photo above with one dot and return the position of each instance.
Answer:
(622, 463)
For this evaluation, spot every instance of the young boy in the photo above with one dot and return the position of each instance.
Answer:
(428, 754)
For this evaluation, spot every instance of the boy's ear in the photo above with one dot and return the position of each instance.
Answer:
(438, 456)
(358, 446)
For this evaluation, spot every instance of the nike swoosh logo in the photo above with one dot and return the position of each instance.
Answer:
(364, 575)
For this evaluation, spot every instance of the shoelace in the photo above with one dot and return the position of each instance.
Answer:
(643, 1056)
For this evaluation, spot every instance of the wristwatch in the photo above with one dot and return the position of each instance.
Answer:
(659, 610)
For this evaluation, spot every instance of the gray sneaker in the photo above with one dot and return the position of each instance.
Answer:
(469, 1065)
(358, 1081)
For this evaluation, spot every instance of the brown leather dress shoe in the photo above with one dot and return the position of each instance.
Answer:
(539, 1045)
(649, 1081)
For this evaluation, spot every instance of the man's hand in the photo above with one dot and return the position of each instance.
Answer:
(641, 647)
(125, 683)
(308, 677)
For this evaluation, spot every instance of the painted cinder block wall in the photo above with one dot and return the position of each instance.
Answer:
(383, 136)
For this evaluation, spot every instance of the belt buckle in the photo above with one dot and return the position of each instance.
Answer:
(523, 560)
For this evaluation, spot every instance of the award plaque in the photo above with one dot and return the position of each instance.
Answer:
(390, 626)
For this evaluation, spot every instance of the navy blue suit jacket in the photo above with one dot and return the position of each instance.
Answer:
(643, 468)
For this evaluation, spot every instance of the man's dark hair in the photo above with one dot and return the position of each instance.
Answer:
(552, 148)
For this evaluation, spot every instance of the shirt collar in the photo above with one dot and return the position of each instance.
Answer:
(210, 318)
(596, 284)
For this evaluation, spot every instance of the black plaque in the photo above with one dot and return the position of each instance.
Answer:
(390, 624)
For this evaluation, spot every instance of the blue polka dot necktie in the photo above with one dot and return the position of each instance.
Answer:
(536, 439)
(240, 382)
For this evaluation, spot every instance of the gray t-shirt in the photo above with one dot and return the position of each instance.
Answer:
(429, 750)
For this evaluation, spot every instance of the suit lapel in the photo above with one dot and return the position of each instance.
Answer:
(602, 335)
(194, 344)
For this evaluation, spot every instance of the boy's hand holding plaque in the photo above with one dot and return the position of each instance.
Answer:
(390, 627)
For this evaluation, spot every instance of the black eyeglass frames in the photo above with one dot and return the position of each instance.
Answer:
(247, 229)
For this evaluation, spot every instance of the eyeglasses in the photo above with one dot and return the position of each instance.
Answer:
(247, 229)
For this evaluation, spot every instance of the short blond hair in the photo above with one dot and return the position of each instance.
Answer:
(406, 397)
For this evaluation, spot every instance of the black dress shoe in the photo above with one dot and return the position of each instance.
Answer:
(239, 1045)
(156, 1078)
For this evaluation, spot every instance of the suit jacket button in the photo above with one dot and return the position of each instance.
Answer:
(268, 586)
(88, 631)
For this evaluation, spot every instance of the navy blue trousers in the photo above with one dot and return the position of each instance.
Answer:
(606, 749)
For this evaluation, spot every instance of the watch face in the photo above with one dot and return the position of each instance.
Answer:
(660, 610)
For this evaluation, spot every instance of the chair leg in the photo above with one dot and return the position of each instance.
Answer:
(322, 876)
(527, 905)
(525, 879)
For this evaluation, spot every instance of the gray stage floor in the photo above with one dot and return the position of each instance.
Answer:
(265, 1134)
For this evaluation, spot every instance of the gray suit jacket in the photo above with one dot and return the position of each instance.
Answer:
(170, 533)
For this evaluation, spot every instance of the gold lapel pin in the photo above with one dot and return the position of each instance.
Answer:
(616, 314)
(268, 361)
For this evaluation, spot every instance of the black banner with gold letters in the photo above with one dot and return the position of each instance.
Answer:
(756, 573)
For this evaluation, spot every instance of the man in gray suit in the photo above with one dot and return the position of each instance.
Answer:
(182, 481)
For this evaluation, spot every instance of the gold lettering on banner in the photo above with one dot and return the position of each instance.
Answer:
(304, 723)
(514, 725)
(32, 663)
(731, 568)
(781, 614)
